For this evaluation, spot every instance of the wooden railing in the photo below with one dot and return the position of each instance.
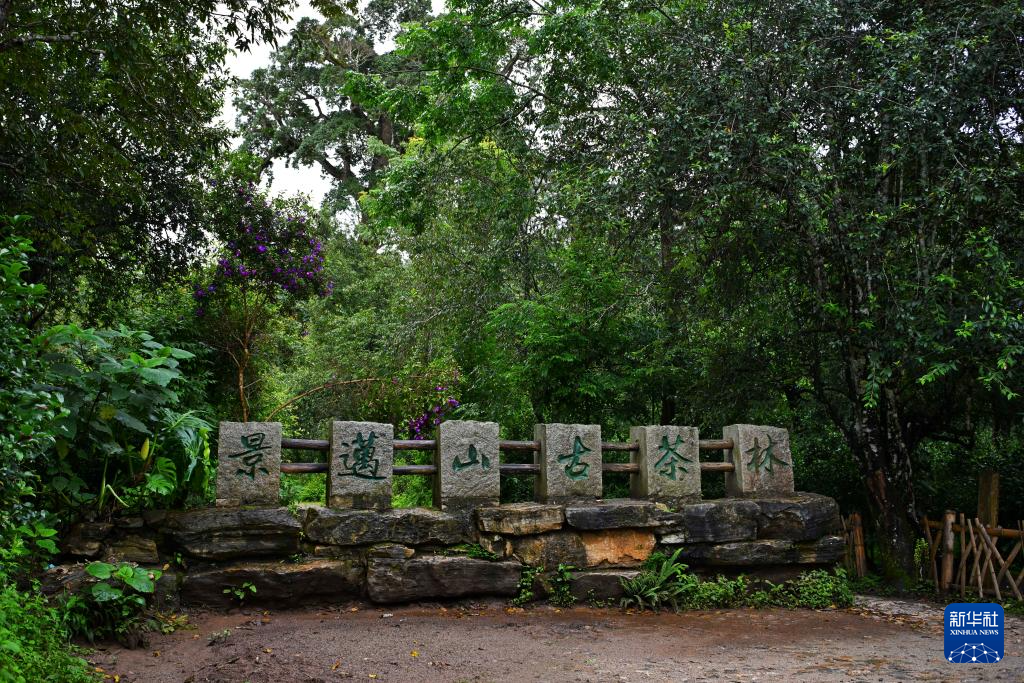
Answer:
(507, 469)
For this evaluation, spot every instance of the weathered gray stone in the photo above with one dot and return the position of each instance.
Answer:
(493, 543)
(763, 462)
(467, 459)
(133, 549)
(602, 584)
(669, 460)
(412, 526)
(765, 552)
(167, 591)
(390, 551)
(433, 577)
(743, 553)
(249, 463)
(134, 522)
(521, 519)
(826, 550)
(276, 583)
(710, 522)
(570, 462)
(801, 517)
(549, 550)
(362, 461)
(217, 534)
(85, 539)
(618, 514)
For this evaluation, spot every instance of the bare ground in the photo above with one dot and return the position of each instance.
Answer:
(878, 640)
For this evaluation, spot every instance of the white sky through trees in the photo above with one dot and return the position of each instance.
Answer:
(286, 180)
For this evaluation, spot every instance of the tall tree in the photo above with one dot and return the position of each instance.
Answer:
(825, 196)
(108, 113)
(299, 110)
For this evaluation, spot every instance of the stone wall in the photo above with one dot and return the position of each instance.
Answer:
(357, 546)
(321, 554)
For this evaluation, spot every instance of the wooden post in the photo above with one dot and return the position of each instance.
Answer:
(988, 497)
(859, 560)
(947, 550)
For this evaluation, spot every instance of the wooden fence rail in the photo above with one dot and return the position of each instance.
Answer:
(982, 565)
(507, 469)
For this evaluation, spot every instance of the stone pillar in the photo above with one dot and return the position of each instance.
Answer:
(249, 463)
(570, 462)
(669, 460)
(362, 462)
(764, 465)
(467, 460)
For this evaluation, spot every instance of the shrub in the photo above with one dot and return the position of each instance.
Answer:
(34, 643)
(114, 606)
(664, 582)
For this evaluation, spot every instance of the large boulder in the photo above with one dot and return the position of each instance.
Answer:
(547, 550)
(394, 579)
(826, 550)
(719, 521)
(801, 517)
(624, 514)
(276, 583)
(617, 547)
(521, 519)
(609, 548)
(222, 533)
(133, 548)
(413, 526)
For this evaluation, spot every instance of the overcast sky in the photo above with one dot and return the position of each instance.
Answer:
(290, 181)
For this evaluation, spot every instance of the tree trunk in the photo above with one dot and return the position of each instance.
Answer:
(884, 458)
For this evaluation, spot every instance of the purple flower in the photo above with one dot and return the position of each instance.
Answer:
(453, 403)
(261, 249)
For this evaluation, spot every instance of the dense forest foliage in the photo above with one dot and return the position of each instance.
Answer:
(805, 214)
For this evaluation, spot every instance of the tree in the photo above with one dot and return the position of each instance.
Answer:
(109, 128)
(300, 110)
(823, 197)
(271, 258)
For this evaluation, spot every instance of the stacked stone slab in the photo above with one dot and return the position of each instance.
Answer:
(249, 463)
(570, 462)
(763, 464)
(361, 466)
(669, 461)
(467, 460)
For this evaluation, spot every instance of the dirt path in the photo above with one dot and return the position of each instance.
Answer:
(878, 640)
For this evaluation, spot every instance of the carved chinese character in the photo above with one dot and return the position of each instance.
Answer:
(575, 469)
(763, 459)
(252, 457)
(359, 460)
(472, 458)
(671, 459)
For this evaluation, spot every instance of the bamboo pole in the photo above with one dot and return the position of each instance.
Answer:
(947, 550)
(859, 558)
(992, 552)
(933, 547)
(993, 531)
(988, 497)
(964, 553)
(975, 572)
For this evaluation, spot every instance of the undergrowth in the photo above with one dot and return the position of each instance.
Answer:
(665, 583)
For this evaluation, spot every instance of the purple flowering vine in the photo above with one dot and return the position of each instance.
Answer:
(420, 427)
(269, 249)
